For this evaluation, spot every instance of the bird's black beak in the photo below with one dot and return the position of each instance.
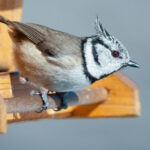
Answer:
(133, 64)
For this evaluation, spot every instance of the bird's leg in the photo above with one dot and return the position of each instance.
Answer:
(63, 102)
(42, 93)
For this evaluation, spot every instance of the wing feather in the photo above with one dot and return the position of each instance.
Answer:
(50, 42)
(37, 37)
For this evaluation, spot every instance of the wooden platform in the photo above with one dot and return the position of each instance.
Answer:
(117, 97)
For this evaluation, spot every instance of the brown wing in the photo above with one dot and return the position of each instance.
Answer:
(21, 30)
(34, 35)
(48, 41)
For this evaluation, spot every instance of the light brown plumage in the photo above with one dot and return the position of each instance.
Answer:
(49, 58)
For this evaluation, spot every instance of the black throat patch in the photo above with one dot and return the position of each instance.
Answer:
(86, 72)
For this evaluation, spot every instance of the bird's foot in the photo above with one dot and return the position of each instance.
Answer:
(43, 95)
(63, 102)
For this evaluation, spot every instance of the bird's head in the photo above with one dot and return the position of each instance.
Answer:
(104, 54)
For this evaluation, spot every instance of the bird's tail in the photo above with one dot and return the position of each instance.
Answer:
(5, 21)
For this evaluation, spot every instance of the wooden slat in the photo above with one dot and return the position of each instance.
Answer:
(3, 115)
(11, 9)
(5, 86)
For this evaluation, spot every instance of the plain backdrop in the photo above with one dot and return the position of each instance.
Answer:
(129, 21)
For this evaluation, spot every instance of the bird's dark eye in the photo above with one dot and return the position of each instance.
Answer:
(115, 53)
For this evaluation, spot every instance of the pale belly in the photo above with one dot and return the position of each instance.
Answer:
(61, 82)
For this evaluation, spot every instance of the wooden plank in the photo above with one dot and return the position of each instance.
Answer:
(3, 116)
(5, 85)
(11, 9)
(122, 101)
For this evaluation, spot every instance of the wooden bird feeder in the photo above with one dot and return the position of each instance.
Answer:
(114, 96)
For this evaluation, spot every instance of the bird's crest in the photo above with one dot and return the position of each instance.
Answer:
(101, 31)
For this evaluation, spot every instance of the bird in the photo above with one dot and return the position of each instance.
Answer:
(62, 62)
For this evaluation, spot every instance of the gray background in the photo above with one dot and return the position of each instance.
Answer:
(129, 21)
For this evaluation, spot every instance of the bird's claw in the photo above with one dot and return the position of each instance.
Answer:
(43, 95)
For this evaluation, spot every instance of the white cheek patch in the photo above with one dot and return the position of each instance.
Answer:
(104, 55)
(92, 66)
